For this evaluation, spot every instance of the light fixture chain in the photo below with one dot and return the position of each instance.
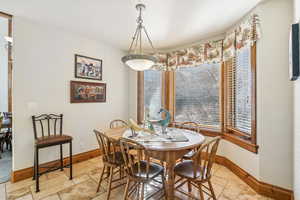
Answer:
(149, 40)
(133, 39)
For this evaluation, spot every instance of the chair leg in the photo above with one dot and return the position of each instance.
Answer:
(34, 165)
(138, 191)
(164, 185)
(201, 192)
(189, 186)
(126, 189)
(142, 192)
(111, 172)
(71, 162)
(37, 176)
(101, 176)
(212, 190)
(61, 158)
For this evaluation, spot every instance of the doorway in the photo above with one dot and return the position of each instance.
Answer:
(6, 117)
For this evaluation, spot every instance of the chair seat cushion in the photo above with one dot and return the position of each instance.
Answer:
(52, 140)
(154, 170)
(188, 169)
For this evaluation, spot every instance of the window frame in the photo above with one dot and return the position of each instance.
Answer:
(228, 133)
(234, 135)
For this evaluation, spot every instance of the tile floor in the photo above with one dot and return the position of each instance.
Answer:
(5, 165)
(57, 186)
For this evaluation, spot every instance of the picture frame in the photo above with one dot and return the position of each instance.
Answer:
(87, 92)
(88, 67)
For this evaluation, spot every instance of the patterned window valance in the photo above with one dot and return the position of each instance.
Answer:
(245, 33)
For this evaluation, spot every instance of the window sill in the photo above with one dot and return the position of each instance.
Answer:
(241, 142)
(235, 139)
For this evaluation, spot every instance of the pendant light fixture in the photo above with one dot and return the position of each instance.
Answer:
(136, 58)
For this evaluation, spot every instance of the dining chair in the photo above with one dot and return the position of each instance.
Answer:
(197, 171)
(118, 123)
(48, 131)
(194, 126)
(112, 162)
(140, 171)
(2, 136)
(8, 136)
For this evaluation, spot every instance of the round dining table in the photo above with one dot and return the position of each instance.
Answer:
(166, 151)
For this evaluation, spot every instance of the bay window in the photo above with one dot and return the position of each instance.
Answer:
(219, 97)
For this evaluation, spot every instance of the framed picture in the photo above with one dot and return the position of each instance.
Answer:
(88, 68)
(87, 92)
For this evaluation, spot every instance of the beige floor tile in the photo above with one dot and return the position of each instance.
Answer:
(116, 194)
(81, 168)
(2, 191)
(97, 161)
(219, 181)
(82, 178)
(95, 174)
(51, 186)
(22, 184)
(223, 172)
(52, 197)
(56, 174)
(84, 191)
(57, 186)
(215, 168)
(250, 195)
(26, 197)
(15, 194)
(230, 193)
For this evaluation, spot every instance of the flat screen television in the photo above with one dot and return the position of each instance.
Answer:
(294, 52)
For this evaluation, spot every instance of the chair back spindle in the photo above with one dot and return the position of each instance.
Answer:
(205, 157)
(107, 147)
(133, 154)
(47, 125)
(118, 123)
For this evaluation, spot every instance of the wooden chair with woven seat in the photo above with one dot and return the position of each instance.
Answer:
(193, 126)
(112, 162)
(118, 123)
(50, 127)
(197, 171)
(140, 171)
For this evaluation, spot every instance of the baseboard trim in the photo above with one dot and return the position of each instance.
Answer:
(260, 187)
(28, 172)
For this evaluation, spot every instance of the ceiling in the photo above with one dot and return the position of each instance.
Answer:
(170, 23)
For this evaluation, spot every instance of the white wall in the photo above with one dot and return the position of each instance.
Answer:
(3, 65)
(297, 119)
(43, 68)
(274, 162)
(274, 94)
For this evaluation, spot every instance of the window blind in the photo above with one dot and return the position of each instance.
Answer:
(153, 92)
(197, 94)
(239, 91)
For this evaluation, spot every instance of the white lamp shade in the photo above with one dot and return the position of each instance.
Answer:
(139, 62)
